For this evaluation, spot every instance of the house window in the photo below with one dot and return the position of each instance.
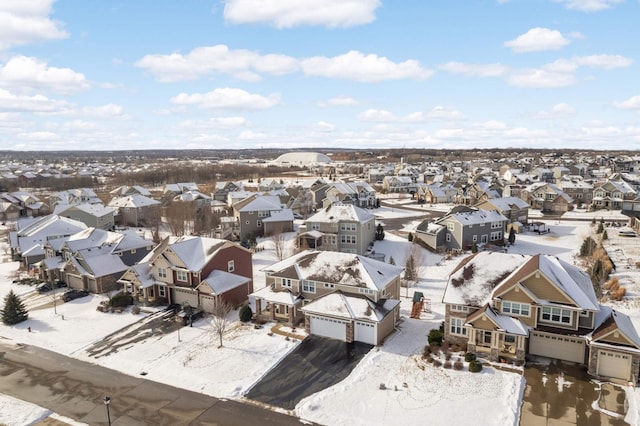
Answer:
(259, 223)
(162, 273)
(366, 291)
(162, 292)
(497, 235)
(448, 238)
(559, 315)
(450, 226)
(484, 238)
(457, 326)
(181, 276)
(247, 222)
(475, 238)
(496, 225)
(348, 239)
(264, 213)
(308, 286)
(516, 308)
(459, 308)
(315, 226)
(347, 226)
(231, 266)
(509, 338)
(484, 338)
(133, 251)
(286, 282)
(327, 285)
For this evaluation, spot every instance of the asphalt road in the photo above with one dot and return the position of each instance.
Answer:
(76, 389)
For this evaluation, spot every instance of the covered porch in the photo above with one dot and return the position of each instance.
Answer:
(281, 306)
(497, 336)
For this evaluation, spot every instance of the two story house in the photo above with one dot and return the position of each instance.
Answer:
(360, 194)
(344, 228)
(93, 215)
(611, 194)
(514, 306)
(261, 215)
(191, 270)
(338, 295)
(460, 230)
(547, 197)
(134, 209)
(513, 208)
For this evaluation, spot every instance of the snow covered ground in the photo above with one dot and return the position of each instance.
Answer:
(193, 361)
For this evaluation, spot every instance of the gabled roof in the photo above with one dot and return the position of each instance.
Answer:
(196, 252)
(219, 282)
(609, 320)
(258, 202)
(355, 307)
(133, 200)
(475, 217)
(341, 212)
(506, 203)
(504, 323)
(96, 210)
(338, 268)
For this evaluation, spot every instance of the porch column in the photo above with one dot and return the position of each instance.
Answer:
(258, 306)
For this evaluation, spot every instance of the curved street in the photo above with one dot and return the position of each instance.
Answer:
(76, 389)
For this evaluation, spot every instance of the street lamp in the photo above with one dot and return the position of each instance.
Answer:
(107, 401)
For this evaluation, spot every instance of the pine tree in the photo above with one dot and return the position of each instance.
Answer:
(14, 310)
(605, 236)
(380, 232)
(512, 236)
(410, 237)
(409, 269)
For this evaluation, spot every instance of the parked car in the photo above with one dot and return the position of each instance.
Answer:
(74, 294)
(44, 287)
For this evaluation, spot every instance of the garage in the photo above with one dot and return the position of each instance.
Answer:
(365, 332)
(75, 281)
(557, 347)
(328, 327)
(207, 303)
(182, 296)
(614, 364)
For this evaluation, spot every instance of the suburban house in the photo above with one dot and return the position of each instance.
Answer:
(547, 197)
(28, 204)
(360, 194)
(92, 259)
(398, 184)
(513, 208)
(435, 193)
(514, 306)
(134, 210)
(27, 242)
(339, 295)
(93, 215)
(460, 230)
(632, 210)
(8, 210)
(579, 190)
(123, 191)
(262, 215)
(344, 228)
(610, 195)
(191, 270)
(223, 188)
(74, 196)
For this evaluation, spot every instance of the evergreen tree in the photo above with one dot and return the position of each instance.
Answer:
(474, 247)
(14, 310)
(410, 269)
(587, 247)
(605, 236)
(379, 232)
(600, 229)
(512, 236)
(410, 237)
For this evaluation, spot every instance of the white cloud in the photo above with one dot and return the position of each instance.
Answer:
(631, 103)
(228, 98)
(436, 113)
(475, 70)
(291, 13)
(537, 39)
(215, 123)
(38, 136)
(36, 103)
(323, 126)
(339, 101)
(607, 62)
(540, 78)
(25, 74)
(250, 135)
(219, 59)
(560, 110)
(589, 5)
(27, 21)
(356, 66)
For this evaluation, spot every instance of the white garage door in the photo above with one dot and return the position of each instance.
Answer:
(328, 327)
(75, 281)
(557, 347)
(183, 295)
(208, 303)
(614, 364)
(365, 332)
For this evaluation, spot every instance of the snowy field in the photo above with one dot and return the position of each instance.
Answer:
(414, 389)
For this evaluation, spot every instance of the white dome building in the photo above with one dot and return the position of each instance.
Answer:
(302, 159)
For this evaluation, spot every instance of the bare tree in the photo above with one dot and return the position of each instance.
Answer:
(220, 320)
(415, 258)
(279, 244)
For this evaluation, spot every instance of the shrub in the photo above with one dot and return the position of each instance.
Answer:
(447, 355)
(135, 310)
(458, 365)
(437, 363)
(447, 364)
(519, 363)
(475, 366)
(469, 356)
(435, 337)
(435, 350)
(121, 300)
(426, 352)
(245, 313)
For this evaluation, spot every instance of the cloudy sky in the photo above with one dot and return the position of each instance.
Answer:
(144, 74)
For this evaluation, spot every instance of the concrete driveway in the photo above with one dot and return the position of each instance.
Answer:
(562, 393)
(314, 365)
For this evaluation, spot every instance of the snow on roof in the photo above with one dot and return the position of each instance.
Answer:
(473, 280)
(352, 307)
(52, 263)
(283, 215)
(505, 203)
(284, 296)
(342, 212)
(261, 203)
(477, 217)
(133, 200)
(97, 210)
(222, 281)
(508, 324)
(104, 264)
(574, 282)
(195, 252)
(339, 268)
(143, 272)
